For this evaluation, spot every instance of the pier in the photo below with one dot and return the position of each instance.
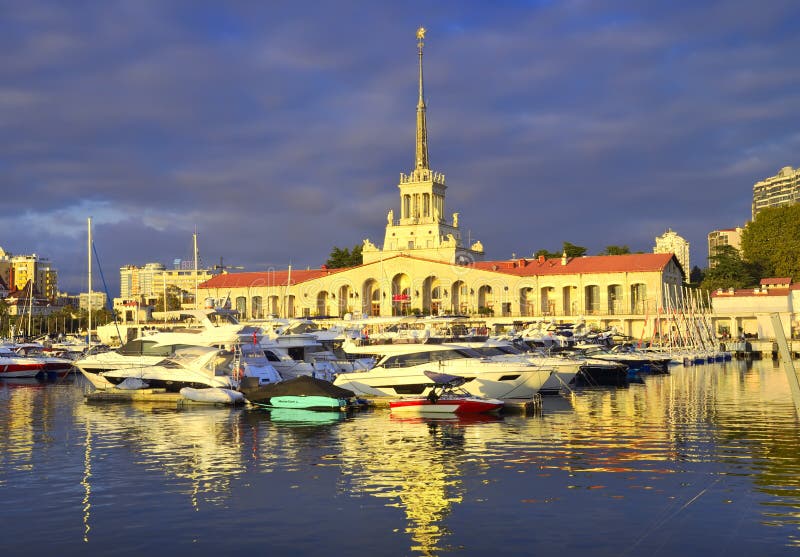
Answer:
(759, 349)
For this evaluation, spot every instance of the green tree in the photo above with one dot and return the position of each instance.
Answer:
(344, 257)
(570, 249)
(616, 250)
(729, 270)
(546, 254)
(696, 275)
(5, 321)
(173, 302)
(772, 241)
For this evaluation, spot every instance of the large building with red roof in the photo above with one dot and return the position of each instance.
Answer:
(424, 266)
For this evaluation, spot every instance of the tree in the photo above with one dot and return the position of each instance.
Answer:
(616, 250)
(570, 249)
(546, 254)
(696, 276)
(729, 270)
(173, 302)
(772, 241)
(344, 257)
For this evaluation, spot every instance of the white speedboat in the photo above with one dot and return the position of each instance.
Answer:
(400, 370)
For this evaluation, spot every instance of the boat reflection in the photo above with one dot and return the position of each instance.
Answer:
(299, 417)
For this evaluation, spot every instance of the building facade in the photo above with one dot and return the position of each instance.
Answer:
(424, 267)
(748, 311)
(148, 282)
(18, 270)
(725, 237)
(98, 300)
(671, 242)
(776, 191)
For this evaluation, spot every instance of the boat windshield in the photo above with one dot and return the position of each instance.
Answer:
(145, 348)
(491, 351)
(419, 358)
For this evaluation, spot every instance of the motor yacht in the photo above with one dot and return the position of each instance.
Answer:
(212, 328)
(196, 367)
(400, 370)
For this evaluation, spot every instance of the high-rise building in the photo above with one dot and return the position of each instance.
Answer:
(98, 300)
(670, 242)
(723, 237)
(150, 280)
(778, 190)
(17, 270)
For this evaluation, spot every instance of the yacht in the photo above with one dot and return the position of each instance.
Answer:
(210, 328)
(400, 370)
(565, 369)
(197, 367)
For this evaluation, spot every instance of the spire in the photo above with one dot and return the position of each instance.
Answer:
(422, 127)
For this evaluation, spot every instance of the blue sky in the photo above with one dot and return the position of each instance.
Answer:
(278, 130)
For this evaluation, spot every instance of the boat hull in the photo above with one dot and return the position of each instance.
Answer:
(461, 405)
(308, 402)
(513, 382)
(21, 370)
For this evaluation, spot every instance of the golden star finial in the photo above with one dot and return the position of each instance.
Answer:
(421, 33)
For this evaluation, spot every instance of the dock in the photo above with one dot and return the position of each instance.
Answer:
(526, 407)
(761, 349)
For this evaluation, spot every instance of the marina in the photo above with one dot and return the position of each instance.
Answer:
(703, 460)
(424, 392)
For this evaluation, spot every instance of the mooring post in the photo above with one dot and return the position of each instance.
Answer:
(786, 358)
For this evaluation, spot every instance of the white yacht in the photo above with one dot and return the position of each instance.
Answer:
(565, 370)
(196, 367)
(189, 328)
(400, 370)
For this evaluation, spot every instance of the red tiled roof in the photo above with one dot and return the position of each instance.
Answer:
(580, 265)
(776, 280)
(265, 278)
(521, 267)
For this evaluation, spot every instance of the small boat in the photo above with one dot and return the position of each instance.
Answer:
(446, 398)
(304, 392)
(215, 395)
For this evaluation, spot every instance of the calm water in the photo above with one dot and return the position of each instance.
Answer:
(705, 461)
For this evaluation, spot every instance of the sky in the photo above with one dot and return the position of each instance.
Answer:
(278, 130)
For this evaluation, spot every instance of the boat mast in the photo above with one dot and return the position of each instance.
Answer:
(89, 251)
(194, 239)
(30, 308)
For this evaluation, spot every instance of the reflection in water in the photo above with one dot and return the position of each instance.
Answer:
(675, 464)
(414, 463)
(200, 445)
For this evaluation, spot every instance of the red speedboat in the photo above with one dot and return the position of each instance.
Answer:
(446, 398)
(19, 367)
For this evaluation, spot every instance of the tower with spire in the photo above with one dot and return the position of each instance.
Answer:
(422, 229)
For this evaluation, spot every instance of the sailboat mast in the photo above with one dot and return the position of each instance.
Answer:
(89, 251)
(30, 309)
(194, 239)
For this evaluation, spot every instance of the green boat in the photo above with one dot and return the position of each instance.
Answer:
(308, 402)
(305, 393)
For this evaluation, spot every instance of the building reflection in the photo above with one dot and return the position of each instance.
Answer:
(415, 465)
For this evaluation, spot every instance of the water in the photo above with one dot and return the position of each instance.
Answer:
(704, 461)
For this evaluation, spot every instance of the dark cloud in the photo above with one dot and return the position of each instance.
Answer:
(278, 131)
